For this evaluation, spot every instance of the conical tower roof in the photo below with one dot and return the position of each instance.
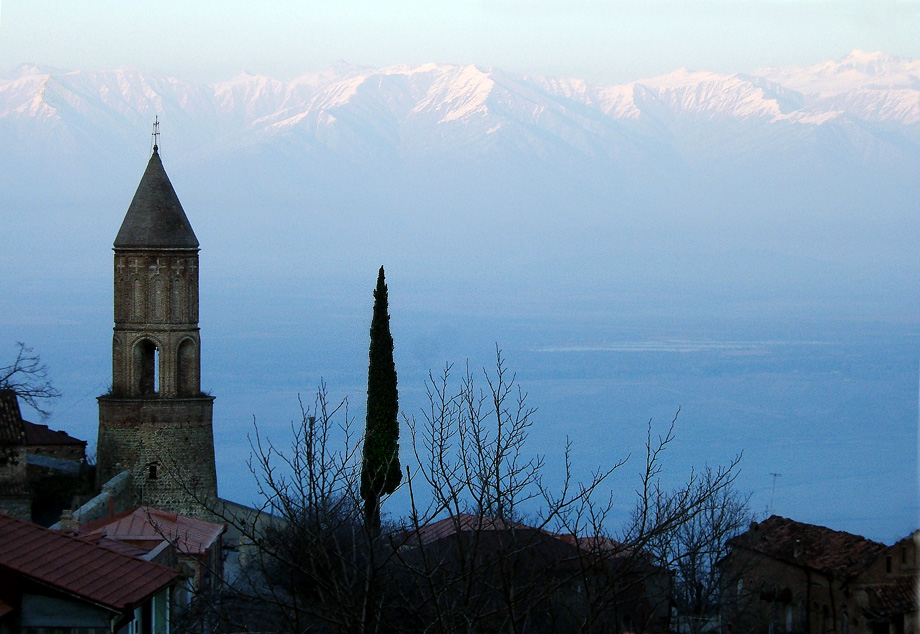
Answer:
(155, 218)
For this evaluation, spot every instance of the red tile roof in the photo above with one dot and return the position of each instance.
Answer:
(896, 597)
(77, 567)
(809, 546)
(41, 435)
(16, 431)
(146, 527)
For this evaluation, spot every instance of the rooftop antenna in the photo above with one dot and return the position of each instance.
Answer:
(773, 492)
(156, 133)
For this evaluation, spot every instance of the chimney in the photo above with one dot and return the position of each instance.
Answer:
(69, 523)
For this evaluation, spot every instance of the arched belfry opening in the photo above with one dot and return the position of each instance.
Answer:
(146, 368)
(156, 422)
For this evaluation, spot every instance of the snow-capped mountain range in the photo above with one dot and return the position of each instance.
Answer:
(870, 100)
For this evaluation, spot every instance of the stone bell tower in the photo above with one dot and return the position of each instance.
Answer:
(156, 422)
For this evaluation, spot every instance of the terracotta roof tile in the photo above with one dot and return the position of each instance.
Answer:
(809, 546)
(896, 597)
(79, 567)
(11, 432)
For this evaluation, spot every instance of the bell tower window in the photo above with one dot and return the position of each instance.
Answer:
(146, 367)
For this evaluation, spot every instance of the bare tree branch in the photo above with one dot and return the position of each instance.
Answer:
(27, 376)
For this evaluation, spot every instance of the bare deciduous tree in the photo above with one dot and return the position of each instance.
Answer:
(27, 376)
(696, 544)
(486, 544)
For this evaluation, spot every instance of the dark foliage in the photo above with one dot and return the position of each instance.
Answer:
(380, 472)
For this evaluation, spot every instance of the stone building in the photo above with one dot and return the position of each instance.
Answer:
(41, 470)
(156, 423)
(887, 591)
(14, 485)
(788, 576)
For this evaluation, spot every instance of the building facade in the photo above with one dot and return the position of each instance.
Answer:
(796, 578)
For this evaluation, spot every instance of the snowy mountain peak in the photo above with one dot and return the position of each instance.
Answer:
(875, 62)
(859, 70)
(417, 108)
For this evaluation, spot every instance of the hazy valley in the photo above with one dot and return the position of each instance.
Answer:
(744, 247)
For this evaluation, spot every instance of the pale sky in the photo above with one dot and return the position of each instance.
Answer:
(607, 41)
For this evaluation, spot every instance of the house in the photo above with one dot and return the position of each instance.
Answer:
(42, 441)
(543, 580)
(788, 576)
(41, 470)
(630, 588)
(54, 581)
(196, 543)
(886, 591)
(14, 484)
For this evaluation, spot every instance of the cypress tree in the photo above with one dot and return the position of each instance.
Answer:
(380, 472)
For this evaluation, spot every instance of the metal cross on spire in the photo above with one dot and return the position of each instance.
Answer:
(156, 133)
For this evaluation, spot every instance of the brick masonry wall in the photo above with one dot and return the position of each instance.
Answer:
(74, 453)
(18, 506)
(166, 444)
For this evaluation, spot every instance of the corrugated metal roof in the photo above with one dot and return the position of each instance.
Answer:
(147, 525)
(78, 567)
(155, 218)
(114, 545)
(42, 435)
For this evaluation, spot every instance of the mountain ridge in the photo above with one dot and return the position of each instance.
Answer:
(418, 111)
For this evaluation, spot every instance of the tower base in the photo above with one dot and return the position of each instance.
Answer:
(167, 445)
